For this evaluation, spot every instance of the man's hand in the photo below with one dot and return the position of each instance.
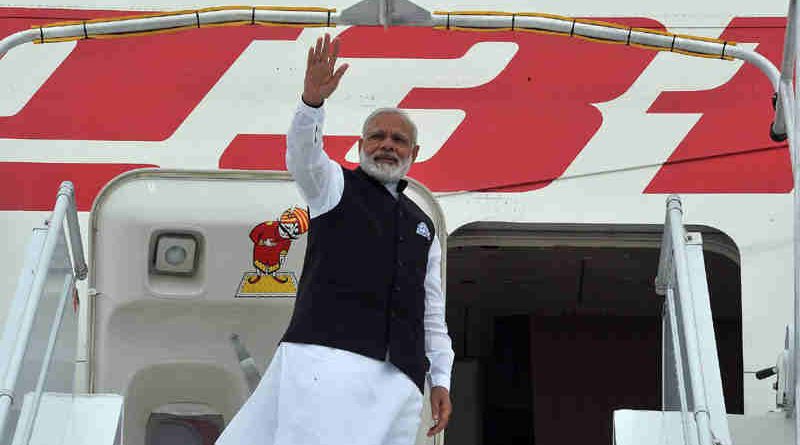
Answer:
(441, 409)
(321, 81)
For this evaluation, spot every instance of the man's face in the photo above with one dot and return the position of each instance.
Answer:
(386, 149)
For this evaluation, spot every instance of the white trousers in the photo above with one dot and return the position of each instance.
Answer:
(316, 395)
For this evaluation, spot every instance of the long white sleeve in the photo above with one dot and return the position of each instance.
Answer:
(438, 346)
(319, 178)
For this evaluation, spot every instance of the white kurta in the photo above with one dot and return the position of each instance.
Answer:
(317, 395)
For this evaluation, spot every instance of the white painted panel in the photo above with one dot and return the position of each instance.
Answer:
(39, 62)
(88, 419)
(638, 427)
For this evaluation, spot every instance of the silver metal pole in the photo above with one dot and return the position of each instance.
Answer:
(760, 62)
(17, 39)
(786, 97)
(789, 99)
(676, 347)
(700, 403)
(789, 46)
(69, 287)
(40, 277)
(788, 102)
(78, 258)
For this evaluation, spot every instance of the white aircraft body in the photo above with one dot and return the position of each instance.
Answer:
(548, 159)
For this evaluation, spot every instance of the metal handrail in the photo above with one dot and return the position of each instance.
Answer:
(673, 274)
(64, 211)
(390, 13)
(787, 114)
(679, 369)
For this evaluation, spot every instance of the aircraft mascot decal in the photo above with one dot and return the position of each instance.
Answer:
(271, 242)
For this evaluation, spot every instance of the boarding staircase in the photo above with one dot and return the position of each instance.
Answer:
(39, 346)
(693, 406)
(41, 361)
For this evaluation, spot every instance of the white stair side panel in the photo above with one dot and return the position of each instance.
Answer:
(86, 419)
(707, 341)
(640, 427)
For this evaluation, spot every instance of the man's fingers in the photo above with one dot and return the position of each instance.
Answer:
(318, 49)
(326, 47)
(444, 417)
(339, 73)
(441, 407)
(321, 80)
(438, 427)
(435, 410)
(334, 53)
(337, 76)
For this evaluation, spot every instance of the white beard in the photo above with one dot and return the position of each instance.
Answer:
(384, 172)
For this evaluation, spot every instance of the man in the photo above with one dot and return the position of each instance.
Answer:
(369, 313)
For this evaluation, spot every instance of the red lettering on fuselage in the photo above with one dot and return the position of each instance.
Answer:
(132, 89)
(520, 132)
(729, 149)
(523, 128)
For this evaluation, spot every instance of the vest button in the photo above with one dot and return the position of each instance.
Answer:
(402, 238)
(396, 289)
(399, 263)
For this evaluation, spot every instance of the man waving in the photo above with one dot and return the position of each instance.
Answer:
(368, 323)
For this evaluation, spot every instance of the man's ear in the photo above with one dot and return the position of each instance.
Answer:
(413, 153)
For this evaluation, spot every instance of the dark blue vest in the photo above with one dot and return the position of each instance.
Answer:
(362, 287)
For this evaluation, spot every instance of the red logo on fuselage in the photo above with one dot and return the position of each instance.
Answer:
(521, 129)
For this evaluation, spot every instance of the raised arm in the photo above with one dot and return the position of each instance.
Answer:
(319, 178)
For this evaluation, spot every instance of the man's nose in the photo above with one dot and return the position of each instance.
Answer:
(387, 144)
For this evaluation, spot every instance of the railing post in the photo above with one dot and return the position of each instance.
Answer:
(779, 129)
(679, 278)
(679, 366)
(792, 98)
(78, 258)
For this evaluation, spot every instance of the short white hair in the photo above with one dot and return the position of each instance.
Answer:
(391, 110)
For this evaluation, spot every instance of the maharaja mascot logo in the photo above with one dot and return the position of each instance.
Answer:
(271, 243)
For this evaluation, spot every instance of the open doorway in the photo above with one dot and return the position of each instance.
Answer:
(555, 327)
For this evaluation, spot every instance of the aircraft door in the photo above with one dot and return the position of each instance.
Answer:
(194, 275)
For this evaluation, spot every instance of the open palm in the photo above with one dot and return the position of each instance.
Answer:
(321, 79)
